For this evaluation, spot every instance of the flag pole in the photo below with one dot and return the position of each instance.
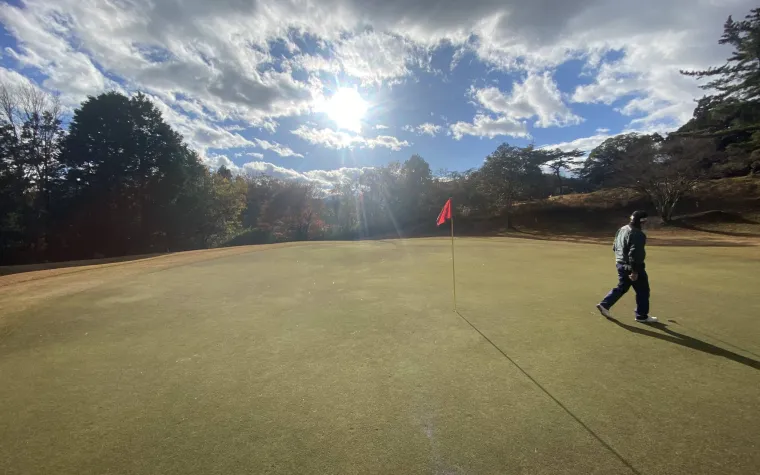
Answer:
(453, 267)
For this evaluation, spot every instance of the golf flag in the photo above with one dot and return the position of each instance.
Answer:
(445, 213)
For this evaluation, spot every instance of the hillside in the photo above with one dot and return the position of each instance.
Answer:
(718, 212)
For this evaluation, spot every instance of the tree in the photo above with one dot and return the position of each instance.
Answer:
(463, 188)
(127, 168)
(558, 161)
(509, 174)
(664, 170)
(604, 161)
(284, 208)
(413, 191)
(731, 115)
(739, 77)
(30, 171)
(13, 205)
(215, 204)
(121, 181)
(34, 120)
(343, 208)
(224, 172)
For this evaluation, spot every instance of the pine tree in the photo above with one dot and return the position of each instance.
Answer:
(739, 78)
(731, 115)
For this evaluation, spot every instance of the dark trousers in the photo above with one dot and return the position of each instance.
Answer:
(641, 286)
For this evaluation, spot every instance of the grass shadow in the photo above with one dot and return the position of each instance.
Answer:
(697, 222)
(687, 341)
(19, 269)
(692, 227)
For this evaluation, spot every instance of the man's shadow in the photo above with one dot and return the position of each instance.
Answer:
(687, 341)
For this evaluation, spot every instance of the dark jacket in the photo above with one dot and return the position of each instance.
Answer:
(629, 247)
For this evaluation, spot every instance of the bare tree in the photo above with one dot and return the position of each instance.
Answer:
(33, 118)
(21, 103)
(664, 171)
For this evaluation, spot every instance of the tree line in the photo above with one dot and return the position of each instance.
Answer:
(119, 181)
(721, 140)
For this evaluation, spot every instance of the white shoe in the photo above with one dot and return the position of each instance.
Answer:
(649, 319)
(605, 312)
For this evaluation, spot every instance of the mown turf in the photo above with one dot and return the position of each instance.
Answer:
(347, 358)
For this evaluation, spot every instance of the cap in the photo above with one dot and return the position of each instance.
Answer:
(639, 216)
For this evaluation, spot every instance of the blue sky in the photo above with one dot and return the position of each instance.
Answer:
(250, 84)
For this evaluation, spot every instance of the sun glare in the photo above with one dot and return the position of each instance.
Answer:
(346, 108)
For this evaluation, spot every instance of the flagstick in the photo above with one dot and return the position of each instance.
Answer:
(453, 267)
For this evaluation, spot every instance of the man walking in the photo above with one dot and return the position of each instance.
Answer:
(629, 245)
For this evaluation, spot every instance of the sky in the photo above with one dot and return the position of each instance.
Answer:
(320, 90)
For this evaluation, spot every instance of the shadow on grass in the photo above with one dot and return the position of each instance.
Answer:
(691, 227)
(8, 270)
(687, 341)
(696, 222)
(570, 235)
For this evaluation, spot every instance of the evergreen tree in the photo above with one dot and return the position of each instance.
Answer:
(731, 114)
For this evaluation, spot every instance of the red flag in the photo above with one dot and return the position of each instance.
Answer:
(445, 213)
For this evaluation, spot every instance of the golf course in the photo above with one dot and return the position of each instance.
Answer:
(348, 358)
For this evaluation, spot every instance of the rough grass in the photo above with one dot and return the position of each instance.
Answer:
(347, 358)
(726, 210)
(723, 192)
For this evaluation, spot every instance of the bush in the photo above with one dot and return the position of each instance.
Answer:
(339, 233)
(251, 236)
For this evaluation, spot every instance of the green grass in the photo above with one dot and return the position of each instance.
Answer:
(347, 358)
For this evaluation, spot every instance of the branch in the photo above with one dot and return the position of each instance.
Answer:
(705, 135)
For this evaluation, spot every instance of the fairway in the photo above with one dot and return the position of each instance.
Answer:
(333, 358)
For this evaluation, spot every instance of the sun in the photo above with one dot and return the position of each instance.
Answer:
(346, 108)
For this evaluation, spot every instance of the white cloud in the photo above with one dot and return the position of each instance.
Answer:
(646, 81)
(381, 127)
(386, 141)
(216, 161)
(427, 128)
(602, 130)
(314, 63)
(211, 62)
(372, 57)
(324, 180)
(585, 144)
(277, 148)
(198, 132)
(39, 47)
(256, 155)
(202, 134)
(161, 48)
(328, 138)
(14, 80)
(375, 58)
(537, 96)
(338, 139)
(486, 126)
(272, 170)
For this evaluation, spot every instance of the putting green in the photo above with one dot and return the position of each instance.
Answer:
(347, 358)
